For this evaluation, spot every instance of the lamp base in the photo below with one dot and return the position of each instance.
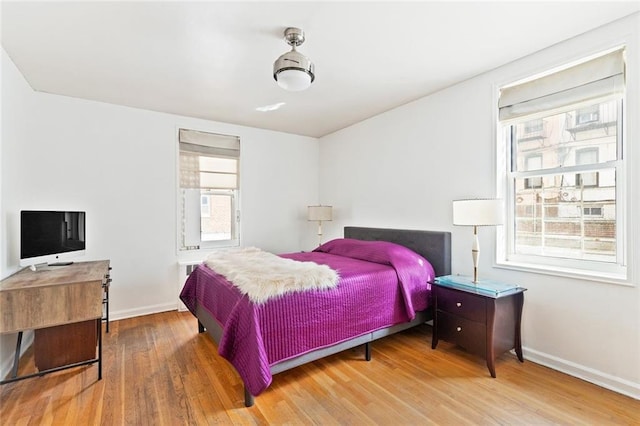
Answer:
(475, 253)
(319, 233)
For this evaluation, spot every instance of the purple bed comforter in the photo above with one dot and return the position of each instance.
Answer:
(381, 284)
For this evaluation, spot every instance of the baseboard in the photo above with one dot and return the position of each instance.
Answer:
(591, 375)
(144, 310)
(7, 364)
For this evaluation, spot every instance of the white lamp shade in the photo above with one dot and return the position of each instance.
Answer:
(319, 213)
(478, 212)
(293, 80)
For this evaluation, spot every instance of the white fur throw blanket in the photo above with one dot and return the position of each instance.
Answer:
(262, 275)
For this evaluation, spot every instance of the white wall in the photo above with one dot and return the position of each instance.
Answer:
(15, 107)
(119, 165)
(404, 167)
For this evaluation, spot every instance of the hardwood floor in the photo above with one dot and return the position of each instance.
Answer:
(158, 370)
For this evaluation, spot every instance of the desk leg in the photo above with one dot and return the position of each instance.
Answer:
(99, 325)
(16, 360)
(14, 373)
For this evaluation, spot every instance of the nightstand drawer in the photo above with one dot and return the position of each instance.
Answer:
(470, 335)
(466, 305)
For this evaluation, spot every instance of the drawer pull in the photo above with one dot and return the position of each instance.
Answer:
(458, 304)
(458, 328)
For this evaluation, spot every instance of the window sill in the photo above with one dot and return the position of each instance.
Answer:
(602, 277)
(204, 249)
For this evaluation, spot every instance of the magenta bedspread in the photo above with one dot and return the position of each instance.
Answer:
(387, 289)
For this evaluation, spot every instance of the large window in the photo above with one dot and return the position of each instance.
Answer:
(564, 180)
(209, 184)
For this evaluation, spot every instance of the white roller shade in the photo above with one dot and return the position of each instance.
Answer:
(597, 78)
(208, 160)
(209, 143)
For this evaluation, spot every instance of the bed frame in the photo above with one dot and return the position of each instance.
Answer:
(432, 245)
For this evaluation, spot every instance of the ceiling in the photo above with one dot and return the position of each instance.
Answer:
(213, 60)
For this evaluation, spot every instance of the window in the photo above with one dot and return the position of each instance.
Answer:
(533, 126)
(565, 193)
(587, 115)
(209, 185)
(592, 211)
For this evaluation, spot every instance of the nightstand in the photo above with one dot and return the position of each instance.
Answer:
(483, 318)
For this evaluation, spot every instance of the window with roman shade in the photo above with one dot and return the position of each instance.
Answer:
(562, 137)
(209, 186)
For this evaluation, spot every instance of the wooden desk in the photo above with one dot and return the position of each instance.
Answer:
(49, 301)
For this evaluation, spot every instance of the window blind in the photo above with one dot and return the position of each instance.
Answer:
(209, 143)
(208, 160)
(593, 79)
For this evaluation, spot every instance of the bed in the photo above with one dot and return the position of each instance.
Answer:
(263, 339)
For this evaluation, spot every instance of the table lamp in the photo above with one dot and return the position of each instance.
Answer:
(477, 212)
(319, 213)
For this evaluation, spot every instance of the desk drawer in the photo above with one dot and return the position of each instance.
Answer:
(466, 305)
(470, 335)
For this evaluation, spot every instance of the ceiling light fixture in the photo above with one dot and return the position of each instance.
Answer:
(293, 71)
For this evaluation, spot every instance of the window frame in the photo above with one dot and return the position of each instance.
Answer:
(182, 247)
(233, 194)
(618, 272)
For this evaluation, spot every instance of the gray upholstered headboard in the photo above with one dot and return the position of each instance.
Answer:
(434, 246)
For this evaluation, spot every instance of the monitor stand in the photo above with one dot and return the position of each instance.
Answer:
(38, 266)
(45, 266)
(60, 264)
